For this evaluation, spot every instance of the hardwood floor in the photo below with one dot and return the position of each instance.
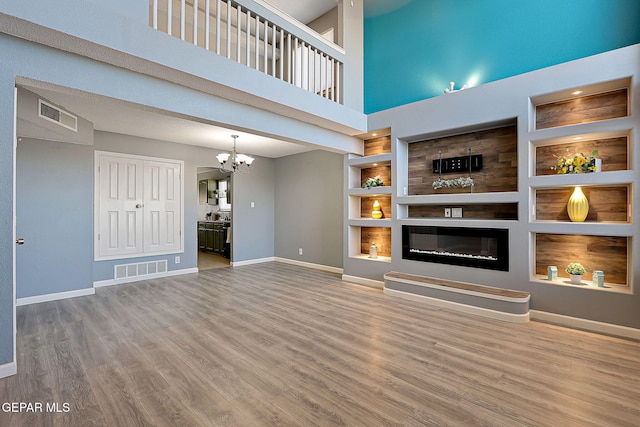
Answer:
(276, 344)
(207, 261)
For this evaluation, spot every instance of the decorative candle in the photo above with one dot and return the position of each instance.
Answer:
(598, 278)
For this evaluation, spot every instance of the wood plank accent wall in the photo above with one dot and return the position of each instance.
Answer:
(499, 151)
(605, 253)
(383, 171)
(380, 145)
(366, 206)
(585, 109)
(380, 235)
(605, 203)
(498, 211)
(612, 151)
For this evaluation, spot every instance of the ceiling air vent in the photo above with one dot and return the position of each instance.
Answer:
(54, 114)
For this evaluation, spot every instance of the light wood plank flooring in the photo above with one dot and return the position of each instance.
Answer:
(207, 261)
(280, 345)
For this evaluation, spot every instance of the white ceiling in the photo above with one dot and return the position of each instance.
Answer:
(111, 115)
(304, 11)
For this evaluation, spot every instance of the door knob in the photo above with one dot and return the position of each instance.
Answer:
(20, 241)
(139, 205)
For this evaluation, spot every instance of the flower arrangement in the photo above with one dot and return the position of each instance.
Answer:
(579, 163)
(373, 182)
(450, 183)
(575, 268)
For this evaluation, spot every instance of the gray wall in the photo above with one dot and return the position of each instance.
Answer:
(253, 227)
(309, 206)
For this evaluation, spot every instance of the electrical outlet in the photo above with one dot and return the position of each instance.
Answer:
(447, 212)
(300, 251)
(456, 212)
(177, 260)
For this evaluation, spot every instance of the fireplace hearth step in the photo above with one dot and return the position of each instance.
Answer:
(497, 303)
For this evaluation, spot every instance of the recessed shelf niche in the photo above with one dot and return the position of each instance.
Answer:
(612, 150)
(366, 206)
(381, 236)
(498, 146)
(606, 203)
(606, 253)
(592, 103)
(490, 211)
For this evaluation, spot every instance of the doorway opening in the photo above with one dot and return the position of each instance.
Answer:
(214, 218)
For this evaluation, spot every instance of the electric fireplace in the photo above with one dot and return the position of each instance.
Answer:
(486, 248)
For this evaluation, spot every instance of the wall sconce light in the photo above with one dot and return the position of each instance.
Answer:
(451, 89)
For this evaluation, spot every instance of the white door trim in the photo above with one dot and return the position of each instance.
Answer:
(15, 146)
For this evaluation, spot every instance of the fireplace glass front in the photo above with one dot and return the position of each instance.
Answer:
(470, 247)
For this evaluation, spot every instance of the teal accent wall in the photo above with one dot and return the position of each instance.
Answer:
(413, 52)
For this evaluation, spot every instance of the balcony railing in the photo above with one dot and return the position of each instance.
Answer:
(285, 49)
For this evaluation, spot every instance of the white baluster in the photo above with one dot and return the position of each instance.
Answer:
(218, 13)
(248, 34)
(228, 29)
(195, 22)
(207, 25)
(169, 17)
(154, 12)
(183, 13)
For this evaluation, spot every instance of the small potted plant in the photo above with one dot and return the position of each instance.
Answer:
(373, 182)
(575, 270)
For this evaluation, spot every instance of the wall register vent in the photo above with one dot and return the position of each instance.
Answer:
(56, 115)
(125, 271)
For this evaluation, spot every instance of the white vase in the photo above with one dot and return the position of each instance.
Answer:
(576, 279)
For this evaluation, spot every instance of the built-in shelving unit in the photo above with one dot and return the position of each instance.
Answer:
(364, 229)
(520, 126)
(565, 124)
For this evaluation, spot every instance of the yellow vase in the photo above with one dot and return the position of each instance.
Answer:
(376, 213)
(578, 206)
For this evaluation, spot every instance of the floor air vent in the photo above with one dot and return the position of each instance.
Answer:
(125, 271)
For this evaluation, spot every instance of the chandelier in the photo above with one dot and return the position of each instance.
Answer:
(234, 162)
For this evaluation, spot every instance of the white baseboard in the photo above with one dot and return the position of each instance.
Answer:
(252, 261)
(585, 324)
(478, 311)
(364, 282)
(53, 297)
(112, 282)
(8, 369)
(322, 267)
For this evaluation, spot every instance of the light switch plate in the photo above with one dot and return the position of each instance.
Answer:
(447, 212)
(456, 212)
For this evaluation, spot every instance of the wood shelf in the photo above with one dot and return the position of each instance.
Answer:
(370, 192)
(585, 284)
(371, 161)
